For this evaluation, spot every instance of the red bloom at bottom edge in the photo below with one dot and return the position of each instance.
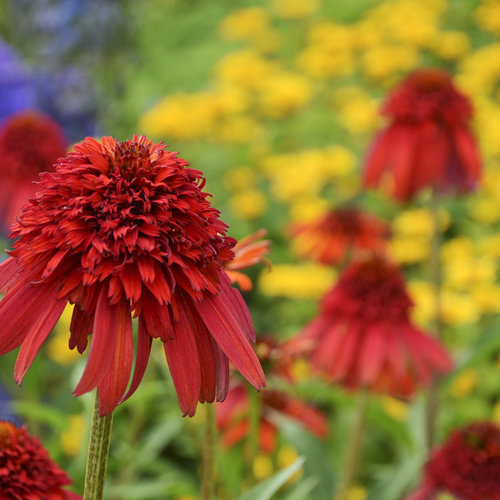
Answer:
(26, 470)
(467, 465)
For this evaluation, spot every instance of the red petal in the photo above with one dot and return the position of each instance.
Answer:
(9, 272)
(107, 317)
(468, 153)
(182, 356)
(114, 384)
(80, 328)
(372, 356)
(222, 367)
(144, 340)
(52, 309)
(231, 338)
(156, 317)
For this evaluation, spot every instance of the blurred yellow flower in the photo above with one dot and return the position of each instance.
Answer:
(58, 348)
(450, 44)
(395, 408)
(409, 249)
(463, 273)
(282, 93)
(490, 245)
(262, 467)
(356, 492)
(382, 61)
(423, 296)
(418, 222)
(488, 16)
(487, 297)
(288, 455)
(294, 9)
(306, 281)
(248, 204)
(464, 383)
(250, 25)
(72, 437)
(461, 247)
(459, 309)
(307, 208)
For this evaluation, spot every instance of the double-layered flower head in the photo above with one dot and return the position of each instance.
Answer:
(363, 336)
(428, 142)
(121, 228)
(467, 465)
(26, 470)
(336, 234)
(30, 143)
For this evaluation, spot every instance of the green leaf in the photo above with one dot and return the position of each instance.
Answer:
(266, 489)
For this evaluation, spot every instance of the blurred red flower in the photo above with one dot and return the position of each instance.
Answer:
(363, 336)
(233, 415)
(338, 233)
(124, 227)
(467, 465)
(30, 143)
(247, 252)
(26, 470)
(428, 142)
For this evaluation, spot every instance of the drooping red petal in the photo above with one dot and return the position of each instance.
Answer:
(183, 361)
(107, 316)
(40, 329)
(80, 328)
(222, 367)
(372, 354)
(230, 337)
(144, 341)
(376, 159)
(114, 383)
(9, 271)
(468, 152)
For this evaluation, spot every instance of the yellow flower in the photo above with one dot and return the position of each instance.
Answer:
(409, 249)
(356, 492)
(57, 348)
(283, 93)
(306, 281)
(307, 208)
(423, 296)
(251, 25)
(464, 383)
(358, 110)
(395, 408)
(382, 61)
(248, 204)
(262, 467)
(459, 309)
(457, 248)
(288, 455)
(490, 246)
(450, 44)
(463, 273)
(418, 222)
(480, 70)
(245, 68)
(73, 436)
(294, 9)
(488, 16)
(237, 129)
(487, 297)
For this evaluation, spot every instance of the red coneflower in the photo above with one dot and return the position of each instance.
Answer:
(428, 142)
(124, 227)
(30, 143)
(247, 252)
(467, 465)
(363, 337)
(26, 470)
(330, 238)
(233, 415)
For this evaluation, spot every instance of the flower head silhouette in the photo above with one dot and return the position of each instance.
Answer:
(124, 228)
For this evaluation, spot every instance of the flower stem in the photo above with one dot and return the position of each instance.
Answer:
(207, 480)
(353, 452)
(253, 436)
(97, 459)
(436, 279)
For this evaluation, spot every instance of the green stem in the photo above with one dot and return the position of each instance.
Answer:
(253, 436)
(354, 442)
(436, 279)
(97, 459)
(208, 470)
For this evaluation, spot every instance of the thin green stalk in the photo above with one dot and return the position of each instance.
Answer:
(253, 436)
(97, 458)
(438, 327)
(208, 468)
(353, 451)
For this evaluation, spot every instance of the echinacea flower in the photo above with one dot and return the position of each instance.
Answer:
(122, 228)
(26, 470)
(233, 416)
(30, 143)
(363, 336)
(247, 252)
(466, 466)
(428, 142)
(338, 233)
